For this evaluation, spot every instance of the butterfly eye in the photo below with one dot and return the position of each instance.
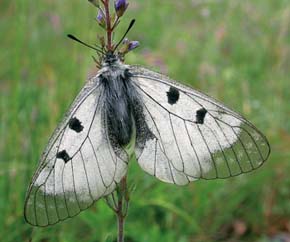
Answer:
(127, 74)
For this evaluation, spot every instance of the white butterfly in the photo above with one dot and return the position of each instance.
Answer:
(181, 135)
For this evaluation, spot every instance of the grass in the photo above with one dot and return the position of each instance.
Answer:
(236, 51)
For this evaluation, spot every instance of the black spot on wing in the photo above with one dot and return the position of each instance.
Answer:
(75, 125)
(63, 155)
(200, 115)
(173, 95)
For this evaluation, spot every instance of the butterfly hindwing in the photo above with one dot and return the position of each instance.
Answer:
(79, 165)
(194, 136)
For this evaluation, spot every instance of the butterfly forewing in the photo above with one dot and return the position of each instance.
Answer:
(194, 135)
(79, 165)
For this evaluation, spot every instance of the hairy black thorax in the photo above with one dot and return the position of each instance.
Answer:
(120, 100)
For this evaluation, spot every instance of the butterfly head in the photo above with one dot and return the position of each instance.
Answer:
(110, 58)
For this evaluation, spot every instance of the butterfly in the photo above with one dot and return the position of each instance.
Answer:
(179, 135)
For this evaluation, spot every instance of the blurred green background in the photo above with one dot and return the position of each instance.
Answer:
(235, 51)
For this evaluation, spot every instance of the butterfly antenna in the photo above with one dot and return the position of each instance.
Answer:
(85, 44)
(130, 26)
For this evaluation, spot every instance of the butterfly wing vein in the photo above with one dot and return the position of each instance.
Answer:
(61, 188)
(184, 149)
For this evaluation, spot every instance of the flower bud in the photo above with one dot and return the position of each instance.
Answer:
(120, 7)
(133, 45)
(128, 46)
(101, 19)
(102, 40)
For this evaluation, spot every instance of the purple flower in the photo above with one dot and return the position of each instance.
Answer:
(101, 19)
(128, 46)
(120, 7)
(133, 45)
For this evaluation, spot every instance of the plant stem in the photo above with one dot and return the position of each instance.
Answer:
(121, 212)
(121, 223)
(108, 24)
